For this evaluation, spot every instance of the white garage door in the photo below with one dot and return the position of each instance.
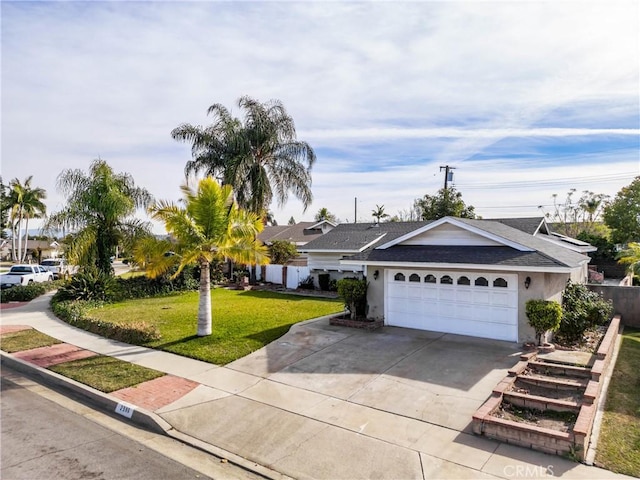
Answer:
(466, 303)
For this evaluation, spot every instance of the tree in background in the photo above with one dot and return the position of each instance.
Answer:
(446, 203)
(258, 155)
(26, 203)
(325, 214)
(622, 214)
(281, 251)
(99, 210)
(5, 210)
(208, 226)
(573, 217)
(631, 257)
(379, 213)
(292, 221)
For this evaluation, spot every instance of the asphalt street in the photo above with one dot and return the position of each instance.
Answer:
(42, 439)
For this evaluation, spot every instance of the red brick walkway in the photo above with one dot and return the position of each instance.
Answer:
(53, 355)
(156, 393)
(8, 305)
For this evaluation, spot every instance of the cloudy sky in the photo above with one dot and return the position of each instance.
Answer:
(524, 99)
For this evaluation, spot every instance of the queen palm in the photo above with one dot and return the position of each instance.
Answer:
(100, 208)
(206, 226)
(259, 156)
(26, 203)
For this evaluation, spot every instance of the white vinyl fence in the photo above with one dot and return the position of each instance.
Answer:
(295, 275)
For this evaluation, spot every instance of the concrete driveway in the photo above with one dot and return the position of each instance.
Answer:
(333, 402)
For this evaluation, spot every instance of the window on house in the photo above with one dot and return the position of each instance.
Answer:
(481, 282)
(446, 280)
(414, 277)
(430, 279)
(399, 277)
(500, 282)
(464, 281)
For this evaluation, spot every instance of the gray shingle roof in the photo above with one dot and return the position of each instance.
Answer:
(298, 233)
(505, 256)
(559, 254)
(352, 237)
(527, 225)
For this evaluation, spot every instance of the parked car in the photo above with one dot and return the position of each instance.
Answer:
(55, 266)
(24, 275)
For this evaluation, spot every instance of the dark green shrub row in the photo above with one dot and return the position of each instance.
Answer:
(91, 285)
(73, 312)
(26, 293)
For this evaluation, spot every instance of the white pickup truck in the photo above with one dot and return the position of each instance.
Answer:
(24, 275)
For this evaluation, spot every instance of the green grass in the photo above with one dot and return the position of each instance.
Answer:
(243, 321)
(106, 374)
(25, 340)
(619, 443)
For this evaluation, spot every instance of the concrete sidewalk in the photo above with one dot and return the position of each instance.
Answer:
(327, 402)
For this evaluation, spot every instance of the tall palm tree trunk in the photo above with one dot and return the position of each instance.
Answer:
(26, 239)
(204, 303)
(20, 235)
(14, 235)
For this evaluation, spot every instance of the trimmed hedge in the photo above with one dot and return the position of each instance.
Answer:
(73, 312)
(26, 293)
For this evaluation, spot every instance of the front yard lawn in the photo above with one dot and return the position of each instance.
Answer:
(619, 444)
(243, 321)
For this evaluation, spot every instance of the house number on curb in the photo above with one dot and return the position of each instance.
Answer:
(125, 410)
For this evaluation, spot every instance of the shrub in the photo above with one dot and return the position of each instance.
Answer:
(581, 309)
(544, 316)
(324, 280)
(333, 285)
(23, 293)
(89, 284)
(281, 251)
(307, 283)
(353, 293)
(26, 293)
(73, 312)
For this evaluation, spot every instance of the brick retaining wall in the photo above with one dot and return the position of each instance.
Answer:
(575, 441)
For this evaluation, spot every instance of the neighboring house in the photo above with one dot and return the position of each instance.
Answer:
(36, 249)
(454, 275)
(299, 234)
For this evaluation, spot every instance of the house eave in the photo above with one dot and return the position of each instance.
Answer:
(462, 266)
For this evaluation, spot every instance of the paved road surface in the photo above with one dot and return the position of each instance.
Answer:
(44, 440)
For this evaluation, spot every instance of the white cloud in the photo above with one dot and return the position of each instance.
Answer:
(396, 87)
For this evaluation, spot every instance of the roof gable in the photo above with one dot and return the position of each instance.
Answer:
(452, 231)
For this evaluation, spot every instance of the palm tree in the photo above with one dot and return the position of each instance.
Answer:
(207, 226)
(100, 206)
(631, 257)
(378, 213)
(26, 202)
(325, 214)
(259, 156)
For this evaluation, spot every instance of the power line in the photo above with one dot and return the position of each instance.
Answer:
(551, 182)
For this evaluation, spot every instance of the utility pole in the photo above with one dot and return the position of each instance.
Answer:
(448, 174)
(355, 210)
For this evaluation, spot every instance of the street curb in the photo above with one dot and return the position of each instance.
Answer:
(140, 416)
